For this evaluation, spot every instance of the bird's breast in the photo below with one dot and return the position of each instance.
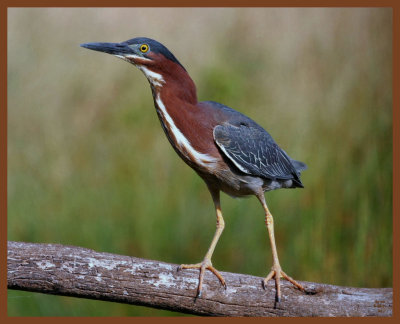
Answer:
(187, 133)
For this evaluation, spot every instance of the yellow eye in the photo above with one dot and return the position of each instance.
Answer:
(144, 48)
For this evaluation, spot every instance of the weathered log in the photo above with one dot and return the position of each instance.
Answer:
(75, 271)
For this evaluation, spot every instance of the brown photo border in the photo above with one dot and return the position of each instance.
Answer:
(5, 4)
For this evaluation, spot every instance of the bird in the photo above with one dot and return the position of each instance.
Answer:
(228, 150)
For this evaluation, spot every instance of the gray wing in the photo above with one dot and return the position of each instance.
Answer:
(253, 151)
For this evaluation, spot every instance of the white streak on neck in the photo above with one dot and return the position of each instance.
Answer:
(154, 78)
(182, 141)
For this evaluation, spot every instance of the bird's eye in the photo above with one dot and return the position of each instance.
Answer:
(144, 48)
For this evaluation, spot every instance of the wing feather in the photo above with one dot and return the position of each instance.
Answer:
(253, 151)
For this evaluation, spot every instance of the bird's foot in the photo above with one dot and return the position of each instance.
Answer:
(206, 264)
(277, 273)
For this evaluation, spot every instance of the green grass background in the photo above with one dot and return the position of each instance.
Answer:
(89, 165)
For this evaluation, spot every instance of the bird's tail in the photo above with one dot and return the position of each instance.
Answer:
(299, 166)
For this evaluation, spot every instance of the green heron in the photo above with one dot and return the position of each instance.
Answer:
(227, 149)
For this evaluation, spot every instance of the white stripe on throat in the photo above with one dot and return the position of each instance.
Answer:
(154, 78)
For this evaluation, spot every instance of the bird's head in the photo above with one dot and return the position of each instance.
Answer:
(150, 56)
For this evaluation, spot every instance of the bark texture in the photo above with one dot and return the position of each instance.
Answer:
(75, 271)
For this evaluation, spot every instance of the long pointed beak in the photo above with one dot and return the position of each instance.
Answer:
(109, 48)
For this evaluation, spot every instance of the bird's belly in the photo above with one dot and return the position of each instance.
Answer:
(237, 184)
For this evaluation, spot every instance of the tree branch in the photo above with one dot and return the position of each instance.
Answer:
(74, 271)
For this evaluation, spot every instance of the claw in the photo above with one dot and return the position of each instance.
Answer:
(206, 264)
(277, 273)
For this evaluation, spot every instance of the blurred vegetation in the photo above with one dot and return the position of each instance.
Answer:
(89, 165)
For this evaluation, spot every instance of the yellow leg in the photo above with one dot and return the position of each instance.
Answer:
(276, 270)
(206, 263)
